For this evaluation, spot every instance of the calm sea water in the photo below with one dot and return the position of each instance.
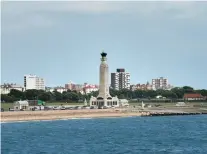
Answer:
(176, 134)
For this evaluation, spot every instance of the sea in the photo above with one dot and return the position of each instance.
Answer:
(130, 135)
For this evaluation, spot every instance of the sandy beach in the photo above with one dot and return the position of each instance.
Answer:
(63, 114)
(88, 113)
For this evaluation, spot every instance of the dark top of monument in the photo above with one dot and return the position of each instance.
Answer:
(103, 54)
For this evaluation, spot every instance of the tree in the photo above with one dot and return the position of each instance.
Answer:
(138, 93)
(74, 97)
(94, 93)
(169, 94)
(68, 90)
(151, 93)
(179, 92)
(58, 96)
(203, 92)
(46, 96)
(70, 96)
(31, 94)
(113, 92)
(17, 94)
(188, 89)
(7, 98)
(121, 96)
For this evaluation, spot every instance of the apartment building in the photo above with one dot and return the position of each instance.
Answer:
(88, 88)
(160, 83)
(139, 86)
(59, 89)
(120, 79)
(72, 86)
(34, 82)
(6, 88)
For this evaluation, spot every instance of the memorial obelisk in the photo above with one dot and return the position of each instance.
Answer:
(104, 98)
(103, 79)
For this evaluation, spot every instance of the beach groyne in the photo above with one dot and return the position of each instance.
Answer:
(171, 113)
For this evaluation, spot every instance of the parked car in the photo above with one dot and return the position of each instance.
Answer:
(87, 107)
(70, 108)
(56, 108)
(105, 107)
(62, 108)
(76, 107)
(11, 109)
(46, 108)
(83, 107)
(33, 109)
(2, 109)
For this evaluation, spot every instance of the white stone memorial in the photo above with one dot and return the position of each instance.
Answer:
(104, 98)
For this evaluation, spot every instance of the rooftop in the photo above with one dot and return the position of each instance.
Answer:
(192, 96)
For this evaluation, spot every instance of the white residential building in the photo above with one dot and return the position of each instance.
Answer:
(120, 80)
(6, 88)
(58, 89)
(34, 82)
(160, 83)
(90, 88)
(139, 86)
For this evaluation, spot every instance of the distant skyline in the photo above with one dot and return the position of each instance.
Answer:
(62, 41)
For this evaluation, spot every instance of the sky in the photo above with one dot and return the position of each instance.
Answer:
(62, 41)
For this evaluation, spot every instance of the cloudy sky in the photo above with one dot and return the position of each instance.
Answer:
(62, 41)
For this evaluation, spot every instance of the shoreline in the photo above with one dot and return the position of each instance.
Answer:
(50, 115)
(63, 114)
(62, 119)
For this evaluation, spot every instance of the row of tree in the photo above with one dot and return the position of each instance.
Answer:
(14, 95)
(73, 96)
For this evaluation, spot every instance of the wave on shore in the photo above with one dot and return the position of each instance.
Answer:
(2, 122)
(81, 118)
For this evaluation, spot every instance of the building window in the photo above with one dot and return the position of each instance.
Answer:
(24, 107)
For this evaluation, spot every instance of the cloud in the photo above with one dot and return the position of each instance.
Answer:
(185, 10)
(22, 15)
(137, 7)
(105, 6)
(24, 22)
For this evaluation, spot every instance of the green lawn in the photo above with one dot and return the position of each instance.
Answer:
(167, 104)
(6, 106)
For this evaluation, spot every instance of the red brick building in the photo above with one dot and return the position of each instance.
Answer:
(190, 97)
